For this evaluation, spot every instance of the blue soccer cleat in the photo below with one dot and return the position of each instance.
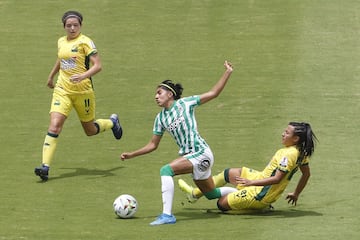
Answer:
(164, 219)
(117, 129)
(42, 172)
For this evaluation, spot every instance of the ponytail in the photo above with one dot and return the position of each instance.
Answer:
(307, 138)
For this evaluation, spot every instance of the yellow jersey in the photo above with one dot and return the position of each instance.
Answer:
(285, 160)
(74, 56)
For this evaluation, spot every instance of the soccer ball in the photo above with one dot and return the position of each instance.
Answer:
(125, 206)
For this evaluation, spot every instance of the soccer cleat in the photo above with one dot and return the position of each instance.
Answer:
(42, 172)
(117, 129)
(164, 219)
(186, 188)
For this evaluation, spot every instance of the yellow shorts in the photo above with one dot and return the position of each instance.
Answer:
(83, 103)
(244, 198)
(249, 173)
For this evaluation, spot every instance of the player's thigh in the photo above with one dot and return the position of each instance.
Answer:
(84, 105)
(181, 165)
(61, 103)
(250, 173)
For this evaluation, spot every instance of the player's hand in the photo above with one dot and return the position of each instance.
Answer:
(76, 78)
(242, 181)
(228, 66)
(292, 198)
(125, 155)
(50, 83)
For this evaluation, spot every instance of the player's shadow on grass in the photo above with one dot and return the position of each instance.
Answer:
(247, 214)
(195, 215)
(289, 213)
(85, 172)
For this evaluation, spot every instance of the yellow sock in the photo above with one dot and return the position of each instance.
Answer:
(104, 124)
(49, 148)
(219, 181)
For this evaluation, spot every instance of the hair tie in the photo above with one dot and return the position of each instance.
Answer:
(72, 16)
(168, 87)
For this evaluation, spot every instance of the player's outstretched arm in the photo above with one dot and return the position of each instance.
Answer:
(293, 197)
(151, 146)
(219, 86)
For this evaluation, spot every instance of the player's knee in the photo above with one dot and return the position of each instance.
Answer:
(220, 206)
(166, 170)
(55, 129)
(213, 194)
(226, 175)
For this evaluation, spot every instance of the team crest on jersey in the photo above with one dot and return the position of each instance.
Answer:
(284, 162)
(75, 49)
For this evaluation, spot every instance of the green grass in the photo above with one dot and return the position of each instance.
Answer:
(294, 60)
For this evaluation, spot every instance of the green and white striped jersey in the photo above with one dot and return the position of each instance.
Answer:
(180, 122)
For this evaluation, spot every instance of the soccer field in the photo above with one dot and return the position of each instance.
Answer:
(293, 61)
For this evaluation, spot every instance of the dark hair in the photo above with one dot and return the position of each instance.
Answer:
(176, 89)
(307, 138)
(70, 14)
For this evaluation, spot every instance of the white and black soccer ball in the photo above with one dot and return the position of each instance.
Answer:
(125, 206)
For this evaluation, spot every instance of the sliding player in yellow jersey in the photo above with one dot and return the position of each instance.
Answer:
(259, 189)
(78, 60)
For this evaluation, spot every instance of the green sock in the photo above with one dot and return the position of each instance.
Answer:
(219, 181)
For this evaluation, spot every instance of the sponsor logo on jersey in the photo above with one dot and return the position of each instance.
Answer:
(67, 64)
(176, 123)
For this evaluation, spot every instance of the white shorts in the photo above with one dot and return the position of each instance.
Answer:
(202, 162)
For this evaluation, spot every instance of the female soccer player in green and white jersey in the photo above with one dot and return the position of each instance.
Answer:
(259, 189)
(177, 117)
(78, 60)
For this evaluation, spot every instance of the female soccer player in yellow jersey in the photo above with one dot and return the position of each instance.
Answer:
(77, 61)
(258, 190)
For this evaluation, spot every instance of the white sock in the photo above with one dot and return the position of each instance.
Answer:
(226, 190)
(167, 190)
